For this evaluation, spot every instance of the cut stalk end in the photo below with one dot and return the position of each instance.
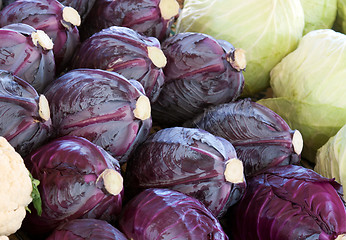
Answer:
(71, 15)
(157, 57)
(143, 108)
(341, 237)
(112, 181)
(297, 142)
(238, 59)
(169, 8)
(39, 37)
(43, 108)
(234, 171)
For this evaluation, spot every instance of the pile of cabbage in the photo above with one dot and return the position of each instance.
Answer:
(166, 119)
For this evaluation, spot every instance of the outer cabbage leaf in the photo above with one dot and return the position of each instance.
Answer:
(340, 21)
(331, 157)
(319, 14)
(310, 88)
(267, 30)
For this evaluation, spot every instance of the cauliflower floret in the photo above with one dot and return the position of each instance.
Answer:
(15, 190)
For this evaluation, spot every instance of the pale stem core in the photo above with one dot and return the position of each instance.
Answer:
(169, 8)
(39, 37)
(157, 57)
(71, 15)
(234, 171)
(143, 108)
(112, 181)
(43, 108)
(297, 142)
(238, 60)
(341, 237)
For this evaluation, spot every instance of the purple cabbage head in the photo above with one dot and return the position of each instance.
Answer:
(200, 72)
(24, 115)
(261, 138)
(152, 18)
(289, 202)
(83, 7)
(78, 179)
(86, 229)
(123, 50)
(191, 161)
(57, 21)
(27, 53)
(167, 214)
(101, 106)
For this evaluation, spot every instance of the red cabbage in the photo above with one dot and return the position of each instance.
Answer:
(167, 214)
(83, 7)
(200, 72)
(27, 53)
(57, 21)
(191, 161)
(261, 138)
(123, 50)
(86, 229)
(78, 179)
(289, 202)
(101, 106)
(152, 18)
(24, 115)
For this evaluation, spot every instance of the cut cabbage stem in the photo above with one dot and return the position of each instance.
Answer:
(341, 237)
(43, 108)
(143, 108)
(237, 59)
(112, 181)
(169, 8)
(234, 171)
(39, 37)
(297, 142)
(71, 15)
(157, 56)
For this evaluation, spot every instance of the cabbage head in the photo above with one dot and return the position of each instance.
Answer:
(267, 30)
(331, 158)
(319, 14)
(309, 88)
(340, 21)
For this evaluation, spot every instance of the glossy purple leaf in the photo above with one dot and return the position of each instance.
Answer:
(78, 179)
(289, 202)
(56, 20)
(21, 55)
(191, 161)
(123, 50)
(200, 72)
(24, 115)
(261, 138)
(167, 214)
(86, 229)
(152, 18)
(101, 106)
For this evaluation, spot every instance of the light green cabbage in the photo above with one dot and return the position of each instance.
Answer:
(267, 30)
(340, 21)
(331, 158)
(309, 86)
(319, 14)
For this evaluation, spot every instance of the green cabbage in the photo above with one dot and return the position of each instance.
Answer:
(331, 158)
(309, 86)
(267, 30)
(340, 21)
(319, 14)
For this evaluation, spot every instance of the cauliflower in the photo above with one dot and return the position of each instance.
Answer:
(15, 190)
